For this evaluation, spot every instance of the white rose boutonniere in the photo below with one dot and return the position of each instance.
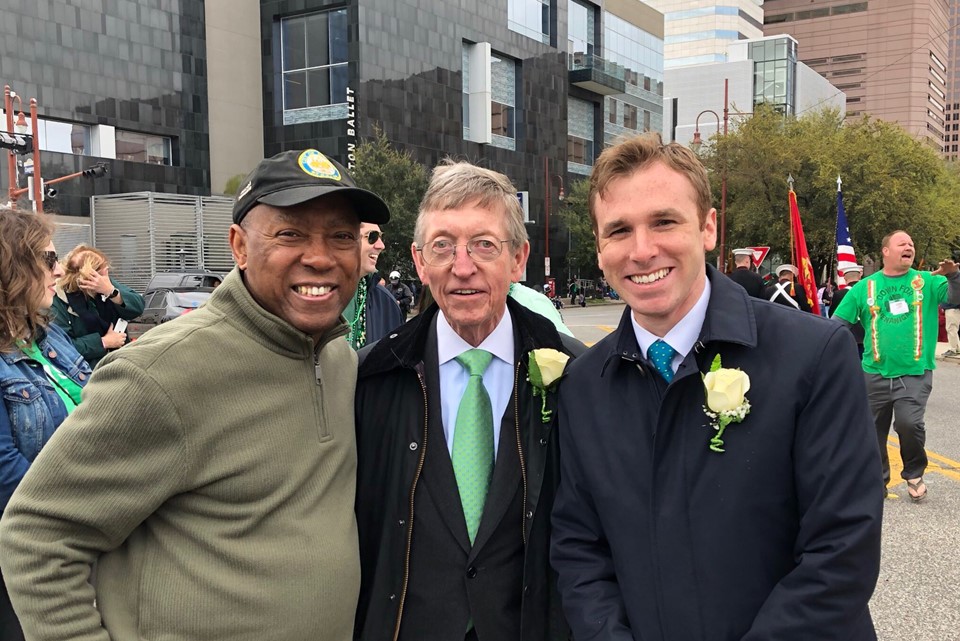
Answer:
(727, 402)
(545, 368)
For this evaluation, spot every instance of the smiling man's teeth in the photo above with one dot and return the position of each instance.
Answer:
(466, 291)
(312, 291)
(649, 278)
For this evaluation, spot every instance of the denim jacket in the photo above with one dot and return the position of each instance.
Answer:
(32, 410)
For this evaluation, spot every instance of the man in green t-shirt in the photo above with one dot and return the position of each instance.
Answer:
(897, 308)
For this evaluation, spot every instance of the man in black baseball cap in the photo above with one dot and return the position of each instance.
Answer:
(289, 204)
(233, 444)
(294, 177)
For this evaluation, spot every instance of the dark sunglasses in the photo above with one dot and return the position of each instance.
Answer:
(373, 236)
(50, 259)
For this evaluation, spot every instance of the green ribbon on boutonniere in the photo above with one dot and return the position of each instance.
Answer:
(544, 369)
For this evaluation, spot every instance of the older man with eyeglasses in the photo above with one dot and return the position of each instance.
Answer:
(457, 448)
(372, 312)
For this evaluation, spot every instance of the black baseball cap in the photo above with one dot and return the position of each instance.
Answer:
(294, 177)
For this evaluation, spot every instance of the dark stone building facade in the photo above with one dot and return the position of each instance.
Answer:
(405, 61)
(116, 81)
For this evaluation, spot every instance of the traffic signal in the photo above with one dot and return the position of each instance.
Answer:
(97, 171)
(17, 143)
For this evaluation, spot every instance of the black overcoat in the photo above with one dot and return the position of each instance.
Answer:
(392, 441)
(658, 538)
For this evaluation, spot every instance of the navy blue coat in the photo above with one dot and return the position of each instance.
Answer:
(657, 538)
(383, 313)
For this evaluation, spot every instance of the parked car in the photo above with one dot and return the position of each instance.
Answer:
(165, 304)
(186, 280)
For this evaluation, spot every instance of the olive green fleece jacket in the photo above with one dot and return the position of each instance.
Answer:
(210, 472)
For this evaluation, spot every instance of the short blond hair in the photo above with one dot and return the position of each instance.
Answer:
(82, 261)
(458, 184)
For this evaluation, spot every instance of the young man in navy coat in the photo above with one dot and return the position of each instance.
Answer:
(734, 513)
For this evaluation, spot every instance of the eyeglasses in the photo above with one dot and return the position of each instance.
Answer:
(373, 236)
(443, 252)
(50, 259)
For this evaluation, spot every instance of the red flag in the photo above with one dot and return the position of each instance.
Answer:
(802, 257)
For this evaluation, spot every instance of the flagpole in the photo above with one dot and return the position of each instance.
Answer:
(793, 249)
(836, 239)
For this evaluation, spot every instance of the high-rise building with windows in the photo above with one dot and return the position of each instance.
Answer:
(890, 57)
(701, 31)
(951, 137)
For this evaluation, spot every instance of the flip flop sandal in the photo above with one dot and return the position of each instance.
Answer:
(915, 486)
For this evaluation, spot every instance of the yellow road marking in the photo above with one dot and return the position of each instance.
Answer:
(607, 328)
(936, 463)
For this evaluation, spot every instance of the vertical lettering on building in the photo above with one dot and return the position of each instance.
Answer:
(351, 129)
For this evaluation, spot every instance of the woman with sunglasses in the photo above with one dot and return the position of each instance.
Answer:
(41, 372)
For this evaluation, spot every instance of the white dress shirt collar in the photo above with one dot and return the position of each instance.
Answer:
(681, 336)
(499, 342)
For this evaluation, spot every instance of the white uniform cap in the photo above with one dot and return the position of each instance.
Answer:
(856, 268)
(788, 268)
(743, 252)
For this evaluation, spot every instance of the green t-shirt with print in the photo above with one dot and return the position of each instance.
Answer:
(899, 315)
(63, 385)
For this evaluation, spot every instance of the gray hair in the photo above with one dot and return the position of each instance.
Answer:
(458, 184)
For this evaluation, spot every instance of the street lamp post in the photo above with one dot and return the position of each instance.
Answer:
(721, 259)
(20, 129)
(547, 177)
(697, 141)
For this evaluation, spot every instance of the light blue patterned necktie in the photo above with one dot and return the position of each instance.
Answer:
(661, 355)
(472, 454)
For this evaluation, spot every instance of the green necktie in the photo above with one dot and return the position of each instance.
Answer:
(473, 440)
(661, 355)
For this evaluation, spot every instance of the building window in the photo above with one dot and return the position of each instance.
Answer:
(613, 111)
(496, 101)
(580, 28)
(579, 150)
(503, 77)
(501, 120)
(580, 134)
(629, 116)
(937, 62)
(314, 59)
(137, 147)
(530, 18)
(62, 137)
(639, 52)
(774, 64)
(646, 120)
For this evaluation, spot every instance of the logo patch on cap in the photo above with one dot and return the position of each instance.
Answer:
(315, 164)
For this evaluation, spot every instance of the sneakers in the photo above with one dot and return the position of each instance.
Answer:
(950, 354)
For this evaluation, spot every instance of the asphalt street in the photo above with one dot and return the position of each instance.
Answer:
(918, 593)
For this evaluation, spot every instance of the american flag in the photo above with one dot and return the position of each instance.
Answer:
(845, 256)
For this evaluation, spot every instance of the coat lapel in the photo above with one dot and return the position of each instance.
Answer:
(439, 479)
